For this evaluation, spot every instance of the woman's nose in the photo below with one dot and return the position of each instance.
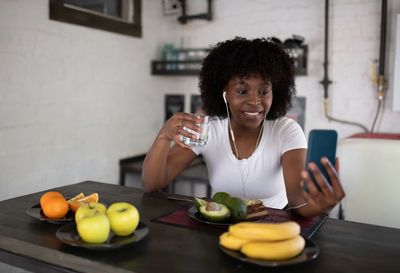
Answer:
(253, 98)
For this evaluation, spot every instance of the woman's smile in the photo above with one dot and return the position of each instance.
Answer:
(253, 114)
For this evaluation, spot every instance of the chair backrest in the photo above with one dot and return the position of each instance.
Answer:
(370, 174)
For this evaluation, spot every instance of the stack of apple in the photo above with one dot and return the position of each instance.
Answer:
(94, 221)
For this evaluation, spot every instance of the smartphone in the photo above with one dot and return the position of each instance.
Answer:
(321, 143)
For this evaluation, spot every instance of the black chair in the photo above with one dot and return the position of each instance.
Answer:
(195, 173)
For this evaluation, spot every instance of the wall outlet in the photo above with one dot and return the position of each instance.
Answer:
(171, 6)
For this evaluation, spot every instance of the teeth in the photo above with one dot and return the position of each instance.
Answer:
(251, 113)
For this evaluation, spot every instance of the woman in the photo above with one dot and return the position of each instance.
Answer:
(253, 150)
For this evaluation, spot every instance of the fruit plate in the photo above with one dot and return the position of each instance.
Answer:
(69, 235)
(36, 212)
(196, 215)
(310, 252)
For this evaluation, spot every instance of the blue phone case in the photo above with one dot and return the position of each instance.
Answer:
(321, 143)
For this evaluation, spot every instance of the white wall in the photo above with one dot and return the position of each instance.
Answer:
(74, 100)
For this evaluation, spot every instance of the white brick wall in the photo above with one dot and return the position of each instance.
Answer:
(74, 100)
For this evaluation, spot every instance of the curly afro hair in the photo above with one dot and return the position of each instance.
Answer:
(240, 57)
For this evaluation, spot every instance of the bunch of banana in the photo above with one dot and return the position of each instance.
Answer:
(268, 241)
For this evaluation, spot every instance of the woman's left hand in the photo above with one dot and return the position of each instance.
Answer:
(329, 195)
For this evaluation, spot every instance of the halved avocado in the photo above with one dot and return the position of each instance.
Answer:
(215, 212)
(220, 197)
(200, 202)
(237, 207)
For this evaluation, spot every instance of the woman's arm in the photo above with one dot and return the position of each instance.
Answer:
(293, 163)
(316, 202)
(163, 164)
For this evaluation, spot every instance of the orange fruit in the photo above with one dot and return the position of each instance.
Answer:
(77, 203)
(74, 205)
(47, 195)
(55, 207)
(94, 197)
(77, 197)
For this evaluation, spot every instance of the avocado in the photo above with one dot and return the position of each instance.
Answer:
(215, 212)
(237, 207)
(199, 202)
(220, 197)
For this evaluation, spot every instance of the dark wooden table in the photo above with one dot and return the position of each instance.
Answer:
(31, 244)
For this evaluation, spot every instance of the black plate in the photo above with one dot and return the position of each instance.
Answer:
(36, 212)
(69, 235)
(309, 253)
(196, 215)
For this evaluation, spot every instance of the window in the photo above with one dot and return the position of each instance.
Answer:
(120, 16)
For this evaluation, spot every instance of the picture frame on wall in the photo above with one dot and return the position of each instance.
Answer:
(123, 17)
(196, 104)
(173, 104)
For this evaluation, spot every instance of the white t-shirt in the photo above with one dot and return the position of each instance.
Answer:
(259, 176)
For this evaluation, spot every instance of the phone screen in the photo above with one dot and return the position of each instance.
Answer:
(321, 143)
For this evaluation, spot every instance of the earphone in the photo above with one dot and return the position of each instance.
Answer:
(229, 119)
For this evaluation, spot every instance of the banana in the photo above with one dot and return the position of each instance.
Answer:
(231, 242)
(276, 250)
(265, 231)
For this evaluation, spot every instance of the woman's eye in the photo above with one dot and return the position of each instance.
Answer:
(241, 92)
(264, 92)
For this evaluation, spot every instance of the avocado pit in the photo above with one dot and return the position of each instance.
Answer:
(215, 212)
(212, 206)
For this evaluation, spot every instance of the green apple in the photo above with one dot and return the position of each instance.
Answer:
(94, 228)
(89, 209)
(124, 218)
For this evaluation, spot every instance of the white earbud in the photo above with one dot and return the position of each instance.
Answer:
(224, 96)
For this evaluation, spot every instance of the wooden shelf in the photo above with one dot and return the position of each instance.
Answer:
(183, 61)
(192, 67)
(175, 67)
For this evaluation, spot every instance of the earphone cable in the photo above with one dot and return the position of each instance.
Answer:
(234, 143)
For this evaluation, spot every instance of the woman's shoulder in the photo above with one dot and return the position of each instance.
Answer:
(288, 133)
(282, 123)
(218, 123)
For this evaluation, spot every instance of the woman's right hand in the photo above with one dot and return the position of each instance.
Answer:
(173, 128)
(163, 163)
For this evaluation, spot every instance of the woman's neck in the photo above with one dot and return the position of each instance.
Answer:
(245, 132)
(245, 140)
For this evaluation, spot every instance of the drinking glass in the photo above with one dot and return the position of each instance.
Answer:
(202, 137)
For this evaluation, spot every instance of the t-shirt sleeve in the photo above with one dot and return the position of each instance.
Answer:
(291, 136)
